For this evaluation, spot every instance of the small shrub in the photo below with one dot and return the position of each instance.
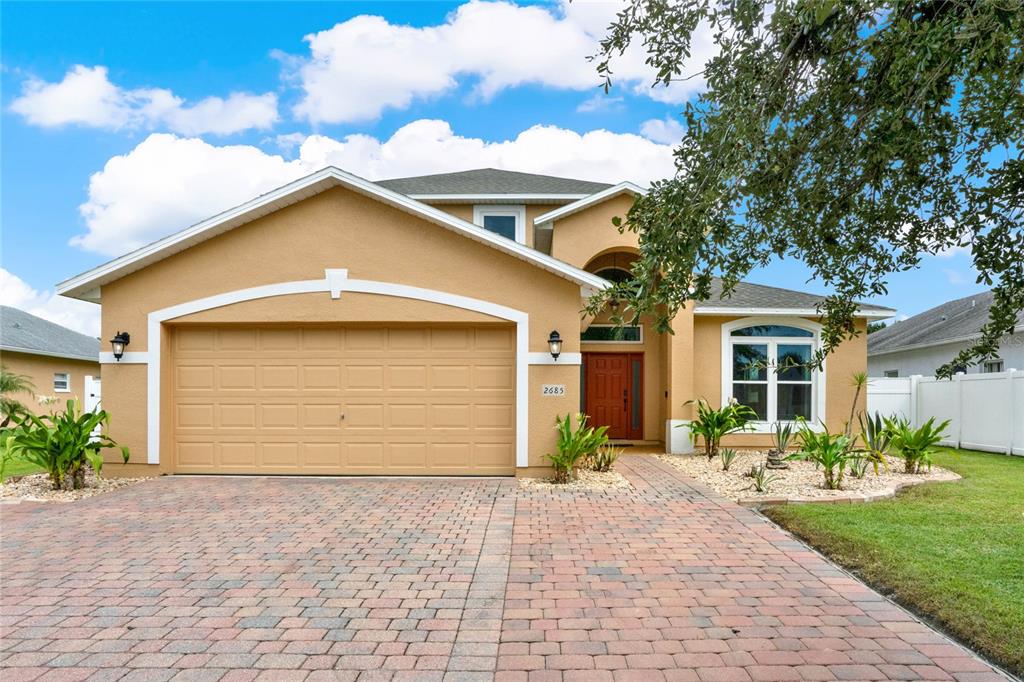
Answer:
(858, 466)
(831, 452)
(712, 425)
(876, 438)
(782, 434)
(575, 445)
(604, 458)
(727, 456)
(915, 445)
(762, 479)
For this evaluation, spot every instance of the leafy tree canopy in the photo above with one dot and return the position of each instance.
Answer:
(857, 136)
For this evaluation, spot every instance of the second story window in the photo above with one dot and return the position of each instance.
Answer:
(507, 221)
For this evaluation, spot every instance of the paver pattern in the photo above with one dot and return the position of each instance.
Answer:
(346, 579)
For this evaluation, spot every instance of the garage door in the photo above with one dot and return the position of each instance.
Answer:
(344, 400)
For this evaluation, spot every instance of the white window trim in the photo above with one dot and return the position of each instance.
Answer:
(817, 376)
(891, 374)
(616, 343)
(517, 211)
(67, 378)
(985, 366)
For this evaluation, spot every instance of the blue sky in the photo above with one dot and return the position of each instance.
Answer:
(125, 122)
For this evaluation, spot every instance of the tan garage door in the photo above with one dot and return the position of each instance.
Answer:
(352, 400)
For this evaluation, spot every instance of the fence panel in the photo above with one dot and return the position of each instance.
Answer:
(890, 397)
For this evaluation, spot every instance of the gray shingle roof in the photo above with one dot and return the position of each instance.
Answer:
(747, 295)
(952, 320)
(25, 333)
(491, 181)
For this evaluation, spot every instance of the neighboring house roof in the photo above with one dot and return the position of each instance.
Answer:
(750, 298)
(493, 184)
(586, 202)
(21, 332)
(86, 285)
(958, 320)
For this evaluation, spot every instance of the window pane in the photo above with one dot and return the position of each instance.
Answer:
(636, 412)
(505, 225)
(754, 396)
(794, 401)
(749, 362)
(790, 356)
(593, 333)
(772, 330)
(616, 275)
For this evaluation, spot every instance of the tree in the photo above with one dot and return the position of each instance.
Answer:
(855, 136)
(875, 327)
(12, 384)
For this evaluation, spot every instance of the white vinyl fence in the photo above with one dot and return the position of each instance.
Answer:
(986, 410)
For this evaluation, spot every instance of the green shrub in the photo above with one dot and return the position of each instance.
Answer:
(762, 479)
(712, 425)
(782, 433)
(858, 466)
(727, 456)
(875, 437)
(915, 445)
(832, 453)
(604, 458)
(575, 445)
(63, 444)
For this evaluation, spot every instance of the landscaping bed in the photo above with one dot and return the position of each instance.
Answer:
(953, 553)
(586, 480)
(37, 488)
(801, 482)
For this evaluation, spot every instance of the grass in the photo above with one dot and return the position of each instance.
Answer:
(953, 552)
(17, 468)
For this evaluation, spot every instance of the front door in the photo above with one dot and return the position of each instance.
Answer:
(613, 389)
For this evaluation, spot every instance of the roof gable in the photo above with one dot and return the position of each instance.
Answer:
(22, 332)
(86, 285)
(747, 297)
(608, 192)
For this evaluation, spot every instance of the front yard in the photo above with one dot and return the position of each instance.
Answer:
(952, 551)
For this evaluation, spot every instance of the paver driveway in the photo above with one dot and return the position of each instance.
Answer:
(281, 579)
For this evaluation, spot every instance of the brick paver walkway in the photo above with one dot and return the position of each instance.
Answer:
(342, 579)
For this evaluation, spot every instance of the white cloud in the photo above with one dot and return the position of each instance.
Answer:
(360, 67)
(599, 102)
(87, 97)
(955, 276)
(78, 315)
(664, 130)
(167, 182)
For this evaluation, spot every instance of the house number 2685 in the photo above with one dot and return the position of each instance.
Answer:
(553, 389)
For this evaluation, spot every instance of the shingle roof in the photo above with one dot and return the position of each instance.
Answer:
(25, 333)
(959, 319)
(747, 295)
(491, 181)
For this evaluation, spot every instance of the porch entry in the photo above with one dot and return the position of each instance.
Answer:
(613, 393)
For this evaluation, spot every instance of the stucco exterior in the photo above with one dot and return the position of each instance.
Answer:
(39, 369)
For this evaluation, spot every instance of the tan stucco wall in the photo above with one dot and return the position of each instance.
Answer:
(40, 370)
(849, 358)
(578, 238)
(465, 212)
(339, 229)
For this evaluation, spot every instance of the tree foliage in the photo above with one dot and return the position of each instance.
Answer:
(856, 136)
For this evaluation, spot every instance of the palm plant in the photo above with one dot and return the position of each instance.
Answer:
(915, 445)
(782, 433)
(876, 439)
(63, 443)
(712, 425)
(831, 452)
(727, 456)
(11, 383)
(575, 445)
(859, 382)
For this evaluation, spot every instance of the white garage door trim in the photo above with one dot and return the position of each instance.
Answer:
(335, 282)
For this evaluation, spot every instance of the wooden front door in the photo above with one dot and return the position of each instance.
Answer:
(613, 390)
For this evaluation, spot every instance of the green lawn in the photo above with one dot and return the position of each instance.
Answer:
(16, 468)
(952, 551)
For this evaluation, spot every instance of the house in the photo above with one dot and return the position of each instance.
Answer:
(342, 326)
(923, 343)
(58, 361)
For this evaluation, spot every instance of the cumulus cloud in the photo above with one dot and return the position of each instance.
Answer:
(664, 130)
(168, 182)
(364, 65)
(78, 315)
(87, 97)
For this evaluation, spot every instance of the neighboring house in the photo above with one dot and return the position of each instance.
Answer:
(59, 362)
(342, 326)
(923, 343)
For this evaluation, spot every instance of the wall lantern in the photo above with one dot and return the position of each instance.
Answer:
(555, 344)
(118, 343)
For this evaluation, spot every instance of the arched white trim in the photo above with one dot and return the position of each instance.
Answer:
(335, 282)
(818, 384)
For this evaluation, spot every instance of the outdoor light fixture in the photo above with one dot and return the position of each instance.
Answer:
(555, 344)
(118, 343)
